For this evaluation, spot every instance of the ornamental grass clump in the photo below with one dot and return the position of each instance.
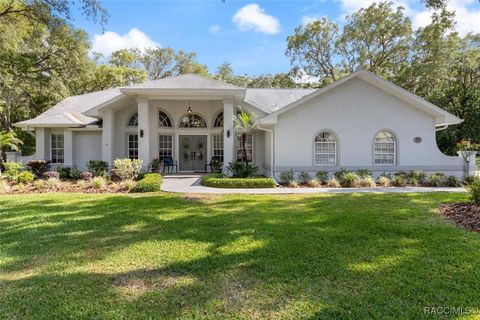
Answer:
(98, 183)
(367, 182)
(333, 183)
(399, 181)
(452, 181)
(436, 179)
(314, 183)
(322, 176)
(473, 189)
(384, 181)
(287, 176)
(364, 173)
(349, 180)
(52, 183)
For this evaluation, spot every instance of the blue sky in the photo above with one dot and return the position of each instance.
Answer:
(251, 35)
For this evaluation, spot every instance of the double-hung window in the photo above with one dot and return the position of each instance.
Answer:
(57, 148)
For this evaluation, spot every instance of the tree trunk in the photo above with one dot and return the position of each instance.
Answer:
(244, 149)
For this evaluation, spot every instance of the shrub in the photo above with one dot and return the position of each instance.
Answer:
(38, 167)
(98, 168)
(39, 184)
(349, 180)
(287, 176)
(52, 183)
(129, 184)
(25, 177)
(436, 179)
(339, 174)
(333, 183)
(12, 170)
(86, 176)
(304, 177)
(51, 174)
(473, 189)
(75, 174)
(20, 187)
(367, 182)
(322, 176)
(452, 181)
(242, 170)
(416, 177)
(4, 186)
(402, 174)
(126, 168)
(64, 172)
(314, 183)
(98, 182)
(292, 184)
(469, 179)
(218, 180)
(399, 181)
(363, 173)
(384, 181)
(150, 182)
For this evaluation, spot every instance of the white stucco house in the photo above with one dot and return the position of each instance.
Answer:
(360, 121)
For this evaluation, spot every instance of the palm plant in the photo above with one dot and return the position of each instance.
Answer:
(8, 140)
(243, 124)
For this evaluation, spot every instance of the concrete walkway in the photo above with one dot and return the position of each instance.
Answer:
(191, 184)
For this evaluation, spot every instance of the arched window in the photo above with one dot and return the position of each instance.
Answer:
(325, 149)
(193, 121)
(384, 148)
(133, 122)
(164, 120)
(218, 122)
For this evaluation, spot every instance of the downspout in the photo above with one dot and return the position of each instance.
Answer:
(272, 154)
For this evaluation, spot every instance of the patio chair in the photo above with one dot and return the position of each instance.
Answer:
(169, 164)
(215, 163)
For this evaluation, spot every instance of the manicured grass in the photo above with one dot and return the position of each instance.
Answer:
(350, 256)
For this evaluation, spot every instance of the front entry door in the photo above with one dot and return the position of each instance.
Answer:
(193, 153)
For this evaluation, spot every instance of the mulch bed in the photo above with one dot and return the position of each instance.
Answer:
(465, 214)
(67, 186)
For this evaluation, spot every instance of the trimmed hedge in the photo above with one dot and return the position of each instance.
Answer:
(221, 181)
(150, 182)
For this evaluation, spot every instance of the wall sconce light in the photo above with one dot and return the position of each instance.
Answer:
(141, 133)
(228, 133)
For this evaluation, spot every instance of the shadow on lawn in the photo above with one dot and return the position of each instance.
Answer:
(343, 256)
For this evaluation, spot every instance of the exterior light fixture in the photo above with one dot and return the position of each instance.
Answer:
(141, 133)
(228, 133)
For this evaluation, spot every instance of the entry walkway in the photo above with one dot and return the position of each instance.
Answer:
(190, 183)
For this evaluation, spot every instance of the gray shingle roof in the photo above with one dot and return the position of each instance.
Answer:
(270, 100)
(186, 81)
(71, 111)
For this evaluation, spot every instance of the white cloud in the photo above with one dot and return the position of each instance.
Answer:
(309, 19)
(214, 29)
(252, 17)
(111, 41)
(467, 14)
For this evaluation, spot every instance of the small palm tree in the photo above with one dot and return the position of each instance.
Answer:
(8, 140)
(243, 124)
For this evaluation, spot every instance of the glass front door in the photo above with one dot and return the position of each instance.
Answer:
(193, 153)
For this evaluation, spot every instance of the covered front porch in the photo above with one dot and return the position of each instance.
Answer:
(187, 128)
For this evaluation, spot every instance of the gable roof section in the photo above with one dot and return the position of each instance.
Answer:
(186, 81)
(271, 100)
(70, 112)
(442, 117)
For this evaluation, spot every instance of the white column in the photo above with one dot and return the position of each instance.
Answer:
(40, 144)
(107, 136)
(228, 133)
(68, 148)
(144, 131)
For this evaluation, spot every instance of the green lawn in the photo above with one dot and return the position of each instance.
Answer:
(351, 256)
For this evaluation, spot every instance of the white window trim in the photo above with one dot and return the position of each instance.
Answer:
(128, 143)
(213, 135)
(395, 153)
(253, 147)
(52, 148)
(335, 153)
(172, 142)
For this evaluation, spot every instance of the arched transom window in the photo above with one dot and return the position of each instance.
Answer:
(218, 122)
(133, 122)
(193, 121)
(325, 149)
(384, 148)
(164, 120)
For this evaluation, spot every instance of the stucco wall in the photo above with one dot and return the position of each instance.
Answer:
(355, 111)
(87, 146)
